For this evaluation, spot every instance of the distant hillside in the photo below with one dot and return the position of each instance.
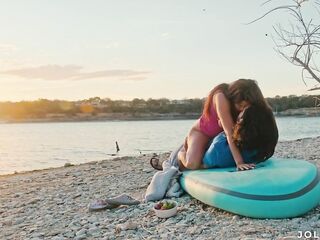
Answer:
(300, 112)
(104, 109)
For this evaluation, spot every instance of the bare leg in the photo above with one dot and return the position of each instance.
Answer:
(191, 158)
(182, 155)
(181, 158)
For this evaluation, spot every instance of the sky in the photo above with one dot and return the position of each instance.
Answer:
(126, 49)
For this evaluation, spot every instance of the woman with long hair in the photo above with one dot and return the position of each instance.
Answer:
(220, 111)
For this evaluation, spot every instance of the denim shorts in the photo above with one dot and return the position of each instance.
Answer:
(219, 155)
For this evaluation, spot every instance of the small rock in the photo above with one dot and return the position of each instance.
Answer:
(80, 237)
(77, 195)
(31, 230)
(77, 174)
(165, 236)
(296, 220)
(92, 219)
(33, 201)
(60, 202)
(193, 230)
(249, 231)
(126, 226)
(235, 218)
(81, 232)
(68, 164)
(18, 221)
(94, 231)
(289, 238)
(69, 234)
(54, 232)
(266, 235)
(38, 234)
(16, 195)
(7, 223)
(57, 238)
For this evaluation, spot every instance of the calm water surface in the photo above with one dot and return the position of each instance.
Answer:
(28, 146)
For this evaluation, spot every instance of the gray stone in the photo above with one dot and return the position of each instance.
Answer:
(127, 226)
(81, 232)
(266, 235)
(235, 218)
(57, 238)
(19, 221)
(69, 234)
(94, 231)
(92, 219)
(80, 237)
(33, 201)
(68, 164)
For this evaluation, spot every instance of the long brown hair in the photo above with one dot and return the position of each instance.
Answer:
(236, 92)
(257, 130)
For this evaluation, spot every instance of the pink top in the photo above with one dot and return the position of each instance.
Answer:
(210, 127)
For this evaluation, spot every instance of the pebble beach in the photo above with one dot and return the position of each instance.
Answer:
(53, 204)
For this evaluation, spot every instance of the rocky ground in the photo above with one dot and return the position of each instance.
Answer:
(52, 204)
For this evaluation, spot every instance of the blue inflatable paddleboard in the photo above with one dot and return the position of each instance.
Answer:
(277, 188)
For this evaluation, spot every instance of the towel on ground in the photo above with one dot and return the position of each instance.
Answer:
(165, 183)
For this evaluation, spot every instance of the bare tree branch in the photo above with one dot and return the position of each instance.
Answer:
(312, 89)
(267, 13)
(299, 43)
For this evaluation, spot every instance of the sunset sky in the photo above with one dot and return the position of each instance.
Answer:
(127, 49)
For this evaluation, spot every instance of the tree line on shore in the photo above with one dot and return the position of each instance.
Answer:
(44, 108)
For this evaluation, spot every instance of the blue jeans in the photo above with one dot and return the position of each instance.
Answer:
(219, 155)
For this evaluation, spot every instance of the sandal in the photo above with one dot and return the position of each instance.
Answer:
(155, 163)
(100, 204)
(122, 199)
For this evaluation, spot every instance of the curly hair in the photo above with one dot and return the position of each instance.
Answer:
(257, 130)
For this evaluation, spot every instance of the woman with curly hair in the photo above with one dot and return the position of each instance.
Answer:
(220, 111)
(255, 134)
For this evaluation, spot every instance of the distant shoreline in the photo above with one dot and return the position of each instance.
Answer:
(301, 112)
(116, 117)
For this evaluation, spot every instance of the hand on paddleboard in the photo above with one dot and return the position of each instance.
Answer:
(245, 166)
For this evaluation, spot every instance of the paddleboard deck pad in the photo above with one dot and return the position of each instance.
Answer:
(277, 188)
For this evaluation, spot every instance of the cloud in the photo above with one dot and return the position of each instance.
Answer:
(73, 72)
(124, 74)
(166, 36)
(8, 48)
(112, 45)
(47, 72)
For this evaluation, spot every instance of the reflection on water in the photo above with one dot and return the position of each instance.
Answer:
(29, 146)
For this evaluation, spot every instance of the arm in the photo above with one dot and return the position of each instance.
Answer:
(223, 109)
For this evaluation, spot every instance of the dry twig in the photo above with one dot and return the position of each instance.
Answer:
(298, 43)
